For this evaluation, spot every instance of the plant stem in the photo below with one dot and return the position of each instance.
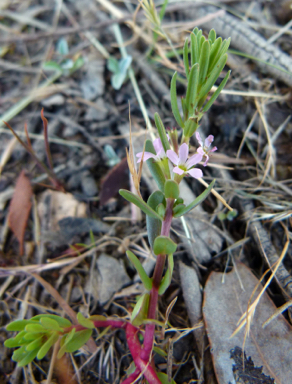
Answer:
(135, 349)
(157, 275)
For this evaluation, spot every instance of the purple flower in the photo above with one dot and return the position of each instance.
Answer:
(160, 153)
(204, 147)
(183, 165)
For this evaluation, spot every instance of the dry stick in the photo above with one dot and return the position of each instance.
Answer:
(248, 41)
(61, 31)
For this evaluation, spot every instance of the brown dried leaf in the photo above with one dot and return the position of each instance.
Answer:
(19, 208)
(113, 181)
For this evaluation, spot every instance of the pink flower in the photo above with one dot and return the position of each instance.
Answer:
(183, 165)
(204, 147)
(160, 153)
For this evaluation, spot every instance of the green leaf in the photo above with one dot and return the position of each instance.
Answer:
(204, 61)
(62, 47)
(154, 225)
(212, 77)
(196, 202)
(161, 210)
(84, 322)
(173, 99)
(19, 354)
(216, 93)
(47, 345)
(78, 63)
(35, 328)
(214, 53)
(113, 64)
(50, 324)
(52, 66)
(171, 189)
(159, 351)
(191, 127)
(212, 36)
(140, 310)
(192, 88)
(165, 282)
(27, 358)
(186, 58)
(64, 341)
(15, 341)
(132, 198)
(194, 50)
(78, 340)
(147, 282)
(224, 46)
(178, 201)
(35, 344)
(64, 323)
(154, 167)
(164, 246)
(164, 378)
(161, 132)
(178, 208)
(32, 335)
(18, 325)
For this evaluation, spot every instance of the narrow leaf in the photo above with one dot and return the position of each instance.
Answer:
(140, 310)
(212, 77)
(154, 167)
(132, 198)
(164, 246)
(35, 344)
(212, 36)
(147, 282)
(35, 328)
(216, 93)
(164, 378)
(186, 57)
(194, 50)
(192, 88)
(165, 282)
(18, 325)
(19, 208)
(173, 99)
(204, 61)
(214, 53)
(161, 132)
(60, 320)
(47, 345)
(50, 324)
(154, 225)
(196, 202)
(28, 358)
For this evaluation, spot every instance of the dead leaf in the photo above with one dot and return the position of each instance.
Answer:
(113, 181)
(267, 352)
(19, 208)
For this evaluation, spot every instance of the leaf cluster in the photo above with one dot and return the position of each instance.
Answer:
(37, 335)
(204, 59)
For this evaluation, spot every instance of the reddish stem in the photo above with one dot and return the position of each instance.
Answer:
(135, 349)
(133, 377)
(157, 276)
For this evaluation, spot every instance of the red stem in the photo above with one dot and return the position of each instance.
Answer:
(135, 349)
(157, 275)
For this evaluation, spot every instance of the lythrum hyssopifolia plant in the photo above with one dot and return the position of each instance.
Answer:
(169, 162)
